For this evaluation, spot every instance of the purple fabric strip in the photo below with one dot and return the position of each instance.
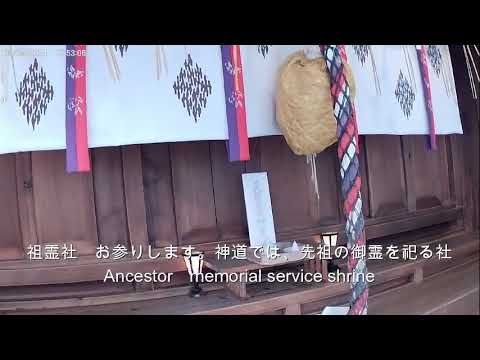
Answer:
(228, 82)
(70, 125)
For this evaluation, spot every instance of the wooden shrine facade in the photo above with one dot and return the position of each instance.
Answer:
(188, 193)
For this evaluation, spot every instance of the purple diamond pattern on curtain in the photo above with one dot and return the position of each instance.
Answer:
(405, 95)
(435, 58)
(34, 94)
(192, 88)
(362, 52)
(122, 49)
(263, 49)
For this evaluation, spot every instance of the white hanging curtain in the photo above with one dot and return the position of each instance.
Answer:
(142, 94)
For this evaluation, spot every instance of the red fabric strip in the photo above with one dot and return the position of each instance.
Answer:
(240, 110)
(83, 159)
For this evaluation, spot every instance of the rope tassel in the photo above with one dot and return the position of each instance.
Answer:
(348, 155)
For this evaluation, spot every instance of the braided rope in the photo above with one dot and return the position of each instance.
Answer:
(348, 155)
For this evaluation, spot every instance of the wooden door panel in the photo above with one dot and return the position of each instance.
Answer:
(64, 204)
(290, 185)
(109, 196)
(431, 173)
(386, 177)
(157, 182)
(193, 192)
(11, 245)
(456, 166)
(328, 186)
(228, 192)
(364, 175)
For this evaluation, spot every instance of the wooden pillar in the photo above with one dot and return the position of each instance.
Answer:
(470, 116)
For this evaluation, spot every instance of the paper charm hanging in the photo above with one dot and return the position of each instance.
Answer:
(238, 148)
(471, 67)
(439, 59)
(78, 159)
(4, 73)
(446, 69)
(111, 59)
(409, 64)
(160, 61)
(111, 56)
(363, 53)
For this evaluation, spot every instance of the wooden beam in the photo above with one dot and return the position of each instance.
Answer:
(375, 227)
(293, 309)
(109, 196)
(26, 207)
(39, 305)
(469, 114)
(78, 272)
(16, 273)
(430, 295)
(408, 163)
(134, 196)
(418, 220)
(266, 303)
(280, 302)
